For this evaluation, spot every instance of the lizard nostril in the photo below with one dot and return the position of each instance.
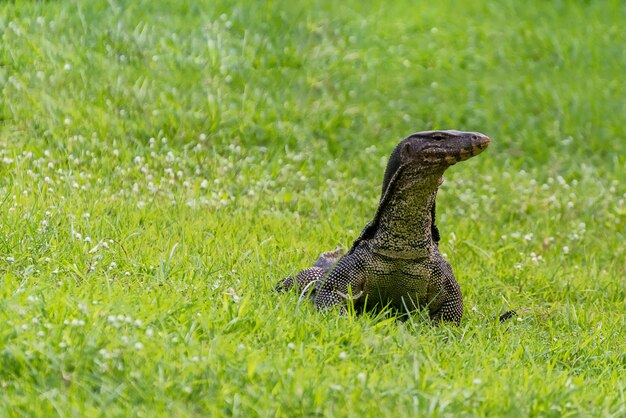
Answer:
(483, 140)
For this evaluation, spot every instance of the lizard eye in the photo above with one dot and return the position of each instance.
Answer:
(438, 136)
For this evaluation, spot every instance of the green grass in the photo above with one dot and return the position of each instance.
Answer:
(162, 165)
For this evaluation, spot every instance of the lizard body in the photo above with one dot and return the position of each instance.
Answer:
(396, 261)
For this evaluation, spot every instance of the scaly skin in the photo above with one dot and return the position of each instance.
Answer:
(395, 261)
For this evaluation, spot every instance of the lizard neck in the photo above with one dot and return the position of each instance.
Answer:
(405, 218)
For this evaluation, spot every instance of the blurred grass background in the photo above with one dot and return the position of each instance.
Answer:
(164, 163)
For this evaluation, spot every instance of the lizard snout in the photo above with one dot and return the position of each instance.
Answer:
(481, 139)
(479, 143)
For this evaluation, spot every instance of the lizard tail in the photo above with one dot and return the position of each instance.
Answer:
(507, 315)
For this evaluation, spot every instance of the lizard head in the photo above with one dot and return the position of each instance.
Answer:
(434, 149)
(441, 148)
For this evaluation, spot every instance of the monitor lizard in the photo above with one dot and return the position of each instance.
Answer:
(395, 262)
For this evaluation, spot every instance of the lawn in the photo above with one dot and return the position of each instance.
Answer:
(164, 163)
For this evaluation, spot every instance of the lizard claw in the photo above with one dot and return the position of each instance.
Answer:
(350, 297)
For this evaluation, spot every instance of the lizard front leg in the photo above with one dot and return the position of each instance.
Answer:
(304, 279)
(345, 281)
(451, 310)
